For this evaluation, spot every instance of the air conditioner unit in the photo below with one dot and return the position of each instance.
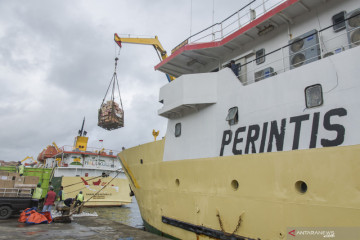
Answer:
(330, 53)
(304, 49)
(353, 27)
(265, 73)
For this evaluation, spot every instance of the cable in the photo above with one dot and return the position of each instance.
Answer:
(82, 181)
(190, 16)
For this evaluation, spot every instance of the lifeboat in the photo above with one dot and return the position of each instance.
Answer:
(48, 152)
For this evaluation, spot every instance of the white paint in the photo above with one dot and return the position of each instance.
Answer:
(274, 98)
(187, 94)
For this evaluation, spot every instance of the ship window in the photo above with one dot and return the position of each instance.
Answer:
(313, 96)
(232, 116)
(178, 130)
(339, 21)
(260, 56)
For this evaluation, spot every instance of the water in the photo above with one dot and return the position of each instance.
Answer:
(128, 214)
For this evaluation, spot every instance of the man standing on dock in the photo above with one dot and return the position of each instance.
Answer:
(20, 169)
(49, 200)
(79, 199)
(37, 194)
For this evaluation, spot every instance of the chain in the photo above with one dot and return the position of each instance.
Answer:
(221, 224)
(238, 224)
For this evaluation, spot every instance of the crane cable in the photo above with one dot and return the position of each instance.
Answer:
(112, 81)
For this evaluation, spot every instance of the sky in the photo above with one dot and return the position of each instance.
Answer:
(57, 59)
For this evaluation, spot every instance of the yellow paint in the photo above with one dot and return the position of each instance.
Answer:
(265, 197)
(155, 134)
(115, 194)
(81, 143)
(144, 41)
(128, 172)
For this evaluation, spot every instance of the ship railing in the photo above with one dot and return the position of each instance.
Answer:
(92, 150)
(280, 62)
(234, 22)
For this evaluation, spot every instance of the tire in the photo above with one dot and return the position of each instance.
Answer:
(5, 212)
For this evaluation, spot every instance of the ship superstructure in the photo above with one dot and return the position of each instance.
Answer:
(269, 144)
(94, 171)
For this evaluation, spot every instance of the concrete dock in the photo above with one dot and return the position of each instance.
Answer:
(88, 228)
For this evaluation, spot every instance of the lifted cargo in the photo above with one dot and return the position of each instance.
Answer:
(111, 116)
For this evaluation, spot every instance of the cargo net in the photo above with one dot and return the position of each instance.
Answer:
(111, 113)
(111, 116)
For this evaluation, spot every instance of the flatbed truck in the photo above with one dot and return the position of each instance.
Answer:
(13, 200)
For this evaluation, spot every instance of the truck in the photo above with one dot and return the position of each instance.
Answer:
(13, 200)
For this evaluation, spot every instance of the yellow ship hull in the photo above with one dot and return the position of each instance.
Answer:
(115, 194)
(253, 196)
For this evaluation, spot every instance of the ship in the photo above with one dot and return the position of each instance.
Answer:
(262, 134)
(95, 171)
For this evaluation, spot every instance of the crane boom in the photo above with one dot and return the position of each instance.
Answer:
(146, 41)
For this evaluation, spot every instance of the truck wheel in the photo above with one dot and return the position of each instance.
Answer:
(5, 212)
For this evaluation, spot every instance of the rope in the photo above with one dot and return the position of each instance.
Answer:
(82, 204)
(82, 181)
(119, 93)
(112, 82)
(108, 89)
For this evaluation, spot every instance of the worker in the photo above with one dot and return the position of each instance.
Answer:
(234, 67)
(79, 199)
(68, 202)
(20, 169)
(61, 195)
(49, 200)
(37, 194)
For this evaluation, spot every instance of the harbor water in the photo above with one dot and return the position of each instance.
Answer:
(128, 214)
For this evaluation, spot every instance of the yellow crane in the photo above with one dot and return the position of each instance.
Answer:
(33, 160)
(57, 148)
(146, 41)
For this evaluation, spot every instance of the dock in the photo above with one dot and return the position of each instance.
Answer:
(89, 228)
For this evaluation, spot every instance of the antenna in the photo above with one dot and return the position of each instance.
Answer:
(81, 131)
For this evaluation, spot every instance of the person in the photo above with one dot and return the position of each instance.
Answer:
(68, 202)
(37, 194)
(20, 169)
(234, 67)
(61, 195)
(79, 199)
(49, 200)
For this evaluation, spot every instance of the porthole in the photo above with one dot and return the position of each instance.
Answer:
(177, 182)
(313, 96)
(301, 187)
(234, 185)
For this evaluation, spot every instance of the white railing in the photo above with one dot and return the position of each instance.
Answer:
(93, 150)
(281, 58)
(237, 20)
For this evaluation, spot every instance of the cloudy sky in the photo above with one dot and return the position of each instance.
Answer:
(57, 58)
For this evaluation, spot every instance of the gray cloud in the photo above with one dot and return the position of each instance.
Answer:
(57, 58)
